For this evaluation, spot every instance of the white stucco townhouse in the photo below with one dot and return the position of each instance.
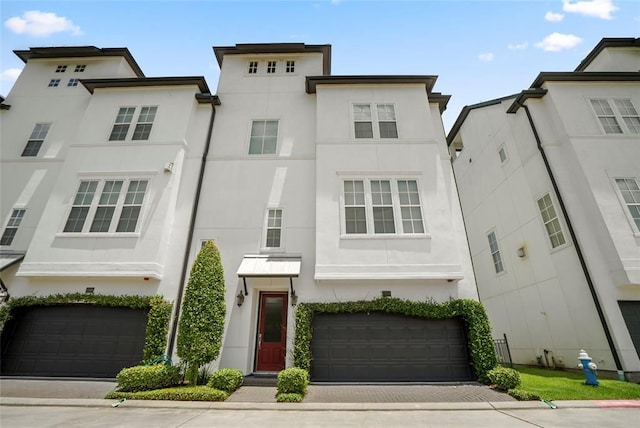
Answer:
(99, 167)
(322, 188)
(549, 183)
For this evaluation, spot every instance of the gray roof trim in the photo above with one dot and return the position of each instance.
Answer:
(78, 52)
(313, 81)
(275, 48)
(442, 100)
(607, 43)
(465, 112)
(207, 98)
(92, 84)
(10, 258)
(525, 95)
(585, 76)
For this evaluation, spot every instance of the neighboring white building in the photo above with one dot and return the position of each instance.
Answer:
(549, 183)
(323, 188)
(99, 170)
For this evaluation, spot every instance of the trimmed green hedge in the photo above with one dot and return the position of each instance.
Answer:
(145, 378)
(157, 319)
(179, 393)
(483, 356)
(227, 380)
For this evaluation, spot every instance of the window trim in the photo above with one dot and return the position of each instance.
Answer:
(275, 153)
(624, 205)
(133, 124)
(94, 203)
(13, 223)
(498, 251)
(38, 141)
(53, 83)
(80, 68)
(375, 121)
(393, 178)
(561, 224)
(617, 115)
(266, 228)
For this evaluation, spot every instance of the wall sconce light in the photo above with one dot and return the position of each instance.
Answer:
(168, 167)
(89, 290)
(240, 298)
(4, 295)
(521, 252)
(386, 293)
(294, 298)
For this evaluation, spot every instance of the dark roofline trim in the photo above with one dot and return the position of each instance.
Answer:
(207, 98)
(607, 43)
(467, 109)
(78, 52)
(92, 84)
(313, 81)
(586, 76)
(442, 100)
(275, 48)
(525, 95)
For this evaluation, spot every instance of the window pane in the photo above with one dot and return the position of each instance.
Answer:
(356, 221)
(121, 126)
(410, 206)
(8, 235)
(85, 193)
(76, 219)
(362, 112)
(102, 219)
(273, 238)
(264, 137)
(383, 221)
(142, 131)
(32, 148)
(388, 130)
(128, 219)
(136, 191)
(386, 112)
(363, 129)
(110, 192)
(119, 132)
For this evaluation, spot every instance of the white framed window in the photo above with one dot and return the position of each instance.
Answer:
(36, 139)
(502, 154)
(122, 124)
(271, 67)
(290, 66)
(253, 67)
(80, 68)
(495, 252)
(264, 137)
(73, 82)
(61, 69)
(630, 193)
(374, 121)
(273, 229)
(11, 228)
(551, 221)
(106, 206)
(381, 206)
(54, 83)
(616, 116)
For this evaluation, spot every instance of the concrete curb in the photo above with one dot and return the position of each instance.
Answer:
(504, 405)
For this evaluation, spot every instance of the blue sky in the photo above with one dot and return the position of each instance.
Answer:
(479, 49)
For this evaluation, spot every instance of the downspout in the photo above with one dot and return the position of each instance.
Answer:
(583, 264)
(192, 224)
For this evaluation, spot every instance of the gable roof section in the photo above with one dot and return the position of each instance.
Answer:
(607, 43)
(428, 80)
(78, 52)
(275, 48)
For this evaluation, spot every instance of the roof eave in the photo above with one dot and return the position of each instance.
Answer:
(92, 84)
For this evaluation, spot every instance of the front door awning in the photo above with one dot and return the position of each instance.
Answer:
(270, 266)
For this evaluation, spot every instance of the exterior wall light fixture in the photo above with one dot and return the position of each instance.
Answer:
(240, 298)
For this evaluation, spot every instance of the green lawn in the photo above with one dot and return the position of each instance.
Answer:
(561, 385)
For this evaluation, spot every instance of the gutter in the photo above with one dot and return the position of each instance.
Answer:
(214, 100)
(583, 264)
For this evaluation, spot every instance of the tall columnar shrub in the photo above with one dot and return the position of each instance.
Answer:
(203, 312)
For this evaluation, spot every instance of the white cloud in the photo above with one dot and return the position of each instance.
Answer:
(596, 8)
(557, 42)
(10, 74)
(486, 57)
(518, 46)
(41, 24)
(553, 17)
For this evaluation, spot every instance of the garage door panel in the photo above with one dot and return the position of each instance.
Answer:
(631, 313)
(73, 341)
(383, 347)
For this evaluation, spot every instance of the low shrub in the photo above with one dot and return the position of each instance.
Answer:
(144, 378)
(227, 380)
(293, 380)
(289, 397)
(504, 378)
(179, 393)
(522, 395)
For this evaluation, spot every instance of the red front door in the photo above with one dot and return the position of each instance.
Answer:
(272, 332)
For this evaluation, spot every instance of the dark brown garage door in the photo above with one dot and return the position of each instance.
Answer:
(73, 341)
(631, 314)
(381, 347)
